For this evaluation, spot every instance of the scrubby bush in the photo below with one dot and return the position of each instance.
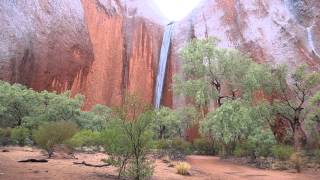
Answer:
(85, 138)
(183, 168)
(177, 148)
(54, 133)
(282, 152)
(20, 135)
(316, 155)
(180, 145)
(296, 159)
(5, 134)
(259, 143)
(242, 150)
(203, 146)
(128, 139)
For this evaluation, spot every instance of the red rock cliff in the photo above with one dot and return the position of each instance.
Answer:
(126, 49)
(43, 44)
(99, 48)
(271, 31)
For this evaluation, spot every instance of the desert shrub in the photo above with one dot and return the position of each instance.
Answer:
(128, 139)
(203, 146)
(5, 134)
(20, 136)
(282, 152)
(51, 134)
(179, 148)
(241, 151)
(297, 161)
(183, 168)
(316, 155)
(85, 138)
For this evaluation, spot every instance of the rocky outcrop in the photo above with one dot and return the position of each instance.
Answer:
(99, 48)
(43, 44)
(271, 31)
(126, 49)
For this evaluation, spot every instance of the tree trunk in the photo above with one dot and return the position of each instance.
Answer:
(299, 137)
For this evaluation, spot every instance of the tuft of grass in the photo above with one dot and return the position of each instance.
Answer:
(183, 168)
(296, 159)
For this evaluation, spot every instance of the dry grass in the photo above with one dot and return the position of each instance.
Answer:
(183, 168)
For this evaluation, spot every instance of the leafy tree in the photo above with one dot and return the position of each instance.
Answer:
(211, 73)
(97, 119)
(51, 134)
(229, 124)
(52, 107)
(171, 123)
(293, 94)
(16, 103)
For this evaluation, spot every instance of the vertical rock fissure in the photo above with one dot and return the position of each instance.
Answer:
(163, 64)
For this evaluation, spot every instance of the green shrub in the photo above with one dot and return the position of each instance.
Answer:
(258, 144)
(203, 146)
(297, 160)
(85, 138)
(20, 135)
(282, 152)
(316, 154)
(162, 144)
(241, 151)
(128, 139)
(176, 148)
(54, 133)
(5, 134)
(179, 148)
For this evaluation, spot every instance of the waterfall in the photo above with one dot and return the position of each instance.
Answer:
(310, 41)
(164, 53)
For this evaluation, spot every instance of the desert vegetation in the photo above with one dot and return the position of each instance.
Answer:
(265, 114)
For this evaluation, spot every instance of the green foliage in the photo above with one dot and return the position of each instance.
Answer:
(85, 138)
(282, 152)
(5, 134)
(176, 148)
(204, 146)
(317, 155)
(166, 123)
(230, 123)
(170, 124)
(207, 68)
(20, 106)
(54, 133)
(97, 119)
(294, 93)
(259, 143)
(128, 139)
(52, 107)
(16, 102)
(20, 135)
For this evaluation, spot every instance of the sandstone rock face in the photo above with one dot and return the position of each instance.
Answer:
(271, 31)
(43, 44)
(99, 48)
(126, 48)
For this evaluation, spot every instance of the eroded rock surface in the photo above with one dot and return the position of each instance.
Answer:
(99, 48)
(271, 31)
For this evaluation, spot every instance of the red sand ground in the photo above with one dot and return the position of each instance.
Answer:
(203, 168)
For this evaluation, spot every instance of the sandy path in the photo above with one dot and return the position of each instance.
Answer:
(219, 169)
(64, 169)
(203, 168)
